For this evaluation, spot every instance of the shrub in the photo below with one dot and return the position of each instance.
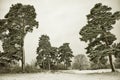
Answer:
(95, 66)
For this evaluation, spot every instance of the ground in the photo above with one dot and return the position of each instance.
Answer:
(65, 75)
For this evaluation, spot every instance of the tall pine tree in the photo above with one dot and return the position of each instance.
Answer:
(97, 32)
(18, 22)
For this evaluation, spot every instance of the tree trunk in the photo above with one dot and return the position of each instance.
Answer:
(23, 51)
(57, 65)
(110, 55)
(49, 66)
(23, 54)
(23, 59)
(65, 66)
(43, 65)
(111, 63)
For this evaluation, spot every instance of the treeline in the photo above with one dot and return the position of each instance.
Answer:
(14, 27)
(52, 57)
(21, 19)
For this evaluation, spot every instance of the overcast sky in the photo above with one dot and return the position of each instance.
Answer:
(61, 20)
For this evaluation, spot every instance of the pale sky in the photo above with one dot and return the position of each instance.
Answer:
(61, 20)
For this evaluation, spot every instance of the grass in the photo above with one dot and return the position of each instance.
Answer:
(105, 73)
(62, 76)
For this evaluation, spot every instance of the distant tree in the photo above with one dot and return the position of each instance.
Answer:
(97, 32)
(54, 57)
(43, 51)
(18, 22)
(65, 54)
(81, 62)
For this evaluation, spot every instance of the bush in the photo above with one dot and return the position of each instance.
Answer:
(60, 67)
(30, 69)
(95, 66)
(18, 69)
(117, 63)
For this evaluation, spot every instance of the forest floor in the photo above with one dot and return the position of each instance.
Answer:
(65, 75)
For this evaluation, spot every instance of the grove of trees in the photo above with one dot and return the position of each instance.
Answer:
(49, 56)
(21, 19)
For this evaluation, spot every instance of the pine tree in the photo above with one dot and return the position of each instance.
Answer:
(65, 54)
(18, 22)
(97, 32)
(54, 57)
(43, 51)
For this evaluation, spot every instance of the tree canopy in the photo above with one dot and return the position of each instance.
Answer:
(17, 23)
(97, 32)
(43, 51)
(65, 54)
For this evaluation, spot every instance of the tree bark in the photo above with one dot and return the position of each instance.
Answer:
(23, 59)
(23, 51)
(110, 55)
(111, 63)
(65, 66)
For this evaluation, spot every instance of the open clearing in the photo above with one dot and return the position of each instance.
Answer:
(65, 75)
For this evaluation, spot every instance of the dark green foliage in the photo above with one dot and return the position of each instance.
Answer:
(51, 57)
(54, 58)
(97, 33)
(17, 23)
(44, 52)
(65, 54)
(116, 50)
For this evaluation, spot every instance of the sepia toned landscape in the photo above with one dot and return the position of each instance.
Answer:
(59, 40)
